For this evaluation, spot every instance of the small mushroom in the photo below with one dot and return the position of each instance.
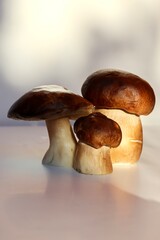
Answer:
(96, 134)
(123, 97)
(56, 105)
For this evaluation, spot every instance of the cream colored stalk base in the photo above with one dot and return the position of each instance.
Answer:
(62, 143)
(130, 148)
(89, 160)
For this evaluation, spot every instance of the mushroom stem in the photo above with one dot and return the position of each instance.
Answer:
(62, 143)
(89, 160)
(130, 148)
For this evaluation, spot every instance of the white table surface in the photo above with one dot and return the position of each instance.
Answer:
(43, 203)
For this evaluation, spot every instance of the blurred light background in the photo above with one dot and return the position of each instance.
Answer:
(62, 42)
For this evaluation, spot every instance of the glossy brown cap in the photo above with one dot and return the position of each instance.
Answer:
(49, 102)
(97, 130)
(117, 89)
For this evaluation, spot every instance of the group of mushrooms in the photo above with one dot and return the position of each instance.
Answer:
(107, 128)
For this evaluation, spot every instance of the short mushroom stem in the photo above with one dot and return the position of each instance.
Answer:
(62, 143)
(89, 160)
(130, 148)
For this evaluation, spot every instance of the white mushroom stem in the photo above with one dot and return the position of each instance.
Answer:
(130, 148)
(89, 160)
(62, 143)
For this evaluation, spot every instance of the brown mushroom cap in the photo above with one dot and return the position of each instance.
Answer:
(49, 102)
(97, 130)
(119, 90)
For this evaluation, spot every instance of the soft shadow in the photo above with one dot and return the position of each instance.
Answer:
(81, 207)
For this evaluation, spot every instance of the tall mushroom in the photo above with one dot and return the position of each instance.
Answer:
(96, 134)
(56, 105)
(123, 97)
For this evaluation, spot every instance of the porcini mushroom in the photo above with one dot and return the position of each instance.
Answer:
(123, 97)
(56, 105)
(96, 134)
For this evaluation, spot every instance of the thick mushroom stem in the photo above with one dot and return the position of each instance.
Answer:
(130, 148)
(89, 160)
(62, 143)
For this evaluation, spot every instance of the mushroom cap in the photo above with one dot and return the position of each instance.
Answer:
(118, 89)
(49, 102)
(97, 130)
